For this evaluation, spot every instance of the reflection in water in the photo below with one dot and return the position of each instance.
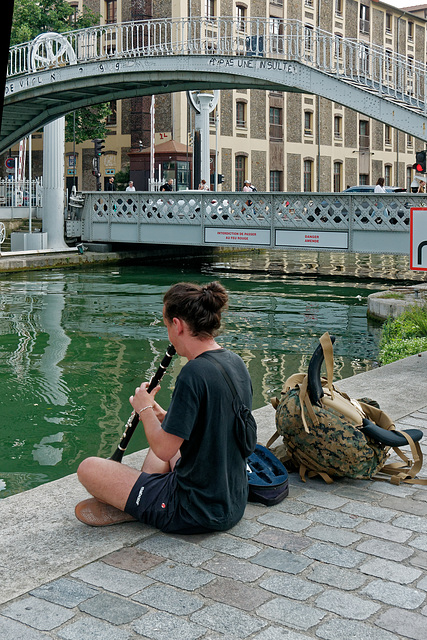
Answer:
(75, 344)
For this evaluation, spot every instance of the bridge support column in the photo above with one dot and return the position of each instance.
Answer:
(202, 123)
(53, 183)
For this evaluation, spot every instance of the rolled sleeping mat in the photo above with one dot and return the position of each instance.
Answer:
(314, 382)
(388, 437)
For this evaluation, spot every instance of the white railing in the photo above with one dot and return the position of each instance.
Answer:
(386, 72)
(16, 193)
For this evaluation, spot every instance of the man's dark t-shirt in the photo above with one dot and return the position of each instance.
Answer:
(212, 481)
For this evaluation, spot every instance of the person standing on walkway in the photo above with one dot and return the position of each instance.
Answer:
(168, 186)
(111, 186)
(194, 477)
(379, 187)
(130, 186)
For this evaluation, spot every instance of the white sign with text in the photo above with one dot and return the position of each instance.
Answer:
(418, 234)
(312, 239)
(223, 235)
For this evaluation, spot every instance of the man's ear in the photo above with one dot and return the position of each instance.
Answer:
(178, 324)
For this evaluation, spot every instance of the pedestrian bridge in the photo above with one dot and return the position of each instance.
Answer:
(359, 223)
(85, 67)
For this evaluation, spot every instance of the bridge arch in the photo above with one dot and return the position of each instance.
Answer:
(153, 57)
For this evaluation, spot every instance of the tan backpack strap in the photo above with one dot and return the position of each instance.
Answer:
(328, 353)
(305, 402)
(272, 439)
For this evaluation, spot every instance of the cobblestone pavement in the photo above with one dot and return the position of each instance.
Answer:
(341, 561)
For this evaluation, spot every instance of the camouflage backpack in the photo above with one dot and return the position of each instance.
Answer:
(327, 433)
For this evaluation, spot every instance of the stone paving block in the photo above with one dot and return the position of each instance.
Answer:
(175, 549)
(372, 512)
(276, 633)
(342, 537)
(384, 531)
(394, 594)
(333, 576)
(357, 493)
(405, 623)
(290, 587)
(335, 518)
(230, 621)
(12, 630)
(180, 576)
(112, 609)
(291, 614)
(132, 559)
(409, 505)
(281, 539)
(166, 598)
(324, 500)
(68, 593)
(253, 510)
(245, 529)
(419, 560)
(346, 629)
(112, 579)
(346, 605)
(284, 521)
(420, 495)
(331, 555)
(164, 626)
(38, 614)
(417, 421)
(231, 546)
(422, 584)
(281, 561)
(94, 629)
(413, 523)
(388, 570)
(235, 593)
(385, 549)
(295, 507)
(392, 490)
(233, 568)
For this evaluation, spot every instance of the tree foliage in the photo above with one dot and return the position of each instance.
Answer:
(32, 17)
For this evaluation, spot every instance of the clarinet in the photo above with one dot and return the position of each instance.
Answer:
(132, 423)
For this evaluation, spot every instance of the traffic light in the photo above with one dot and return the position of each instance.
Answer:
(99, 147)
(420, 164)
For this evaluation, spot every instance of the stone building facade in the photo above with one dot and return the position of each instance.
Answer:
(279, 141)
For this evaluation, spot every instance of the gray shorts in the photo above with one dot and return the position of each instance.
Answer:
(153, 500)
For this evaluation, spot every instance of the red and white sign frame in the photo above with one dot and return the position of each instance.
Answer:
(418, 239)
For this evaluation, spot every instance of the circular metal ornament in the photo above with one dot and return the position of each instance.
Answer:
(50, 50)
(2, 233)
(192, 98)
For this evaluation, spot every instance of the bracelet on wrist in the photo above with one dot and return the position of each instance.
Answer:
(149, 406)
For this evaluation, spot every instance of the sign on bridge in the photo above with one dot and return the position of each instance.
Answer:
(418, 231)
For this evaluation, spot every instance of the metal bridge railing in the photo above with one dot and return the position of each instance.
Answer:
(387, 73)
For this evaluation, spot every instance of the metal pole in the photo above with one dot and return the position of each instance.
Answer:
(30, 177)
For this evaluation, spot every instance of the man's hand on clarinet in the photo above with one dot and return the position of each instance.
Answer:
(143, 401)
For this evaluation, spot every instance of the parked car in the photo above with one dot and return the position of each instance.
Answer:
(369, 188)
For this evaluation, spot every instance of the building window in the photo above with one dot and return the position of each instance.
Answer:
(410, 30)
(388, 23)
(410, 141)
(110, 11)
(241, 16)
(276, 129)
(308, 3)
(276, 34)
(364, 19)
(210, 8)
(308, 41)
(387, 175)
(388, 64)
(363, 178)
(363, 59)
(240, 171)
(364, 142)
(338, 127)
(275, 180)
(241, 115)
(337, 176)
(111, 120)
(308, 123)
(338, 7)
(308, 175)
(387, 135)
(338, 46)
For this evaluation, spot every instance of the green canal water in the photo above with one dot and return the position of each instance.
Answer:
(74, 344)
